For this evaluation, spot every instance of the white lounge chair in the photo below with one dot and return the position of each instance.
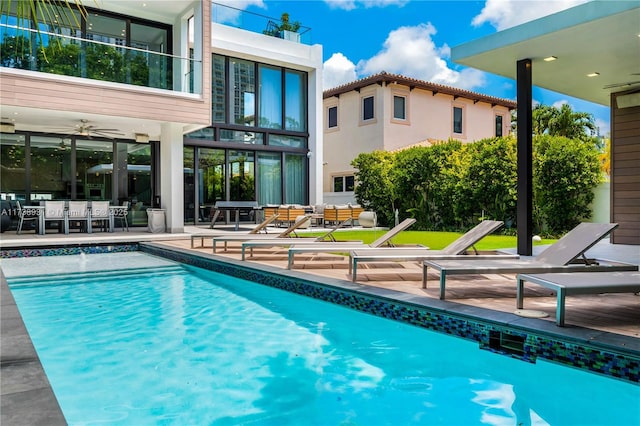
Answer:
(262, 226)
(327, 237)
(567, 284)
(290, 232)
(321, 247)
(456, 250)
(566, 255)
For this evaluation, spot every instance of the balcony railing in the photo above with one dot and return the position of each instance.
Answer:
(42, 51)
(230, 16)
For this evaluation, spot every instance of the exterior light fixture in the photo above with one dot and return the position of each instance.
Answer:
(142, 138)
(550, 58)
(593, 74)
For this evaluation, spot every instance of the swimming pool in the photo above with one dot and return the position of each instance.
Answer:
(178, 344)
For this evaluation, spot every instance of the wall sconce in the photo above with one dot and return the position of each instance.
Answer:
(7, 128)
(142, 138)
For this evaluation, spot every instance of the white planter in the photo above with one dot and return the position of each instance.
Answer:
(368, 219)
(291, 36)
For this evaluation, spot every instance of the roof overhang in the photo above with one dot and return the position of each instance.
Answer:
(597, 37)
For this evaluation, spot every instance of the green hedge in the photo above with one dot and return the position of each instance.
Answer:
(451, 186)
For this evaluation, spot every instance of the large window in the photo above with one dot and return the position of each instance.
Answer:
(270, 99)
(51, 161)
(269, 178)
(295, 101)
(343, 183)
(499, 125)
(243, 96)
(37, 167)
(99, 48)
(457, 120)
(242, 175)
(94, 170)
(368, 108)
(13, 172)
(332, 117)
(295, 178)
(399, 108)
(260, 122)
(218, 89)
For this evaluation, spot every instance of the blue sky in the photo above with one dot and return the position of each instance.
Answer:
(414, 38)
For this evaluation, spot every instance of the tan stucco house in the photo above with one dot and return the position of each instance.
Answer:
(389, 112)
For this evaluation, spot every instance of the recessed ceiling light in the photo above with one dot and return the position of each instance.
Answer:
(550, 58)
(593, 74)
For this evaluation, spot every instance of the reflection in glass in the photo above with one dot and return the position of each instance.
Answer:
(289, 141)
(13, 175)
(269, 178)
(242, 177)
(295, 101)
(206, 133)
(188, 160)
(253, 138)
(270, 97)
(138, 181)
(295, 182)
(243, 80)
(51, 163)
(94, 170)
(218, 90)
(211, 180)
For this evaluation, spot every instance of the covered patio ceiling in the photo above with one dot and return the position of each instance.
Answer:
(600, 37)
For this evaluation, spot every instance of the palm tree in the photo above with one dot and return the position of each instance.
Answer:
(563, 121)
(41, 14)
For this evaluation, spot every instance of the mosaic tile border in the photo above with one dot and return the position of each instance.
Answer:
(518, 344)
(524, 345)
(68, 250)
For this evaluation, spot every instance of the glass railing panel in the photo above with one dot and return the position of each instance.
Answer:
(23, 48)
(254, 22)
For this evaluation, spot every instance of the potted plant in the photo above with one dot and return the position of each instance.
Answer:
(285, 29)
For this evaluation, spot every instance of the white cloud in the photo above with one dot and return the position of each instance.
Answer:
(353, 4)
(508, 13)
(227, 15)
(410, 51)
(338, 70)
(604, 127)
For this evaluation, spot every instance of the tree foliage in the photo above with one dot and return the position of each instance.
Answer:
(376, 190)
(450, 186)
(565, 173)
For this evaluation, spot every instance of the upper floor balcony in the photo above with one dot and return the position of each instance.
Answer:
(109, 61)
(282, 27)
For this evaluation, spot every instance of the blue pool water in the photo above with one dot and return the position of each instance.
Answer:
(180, 345)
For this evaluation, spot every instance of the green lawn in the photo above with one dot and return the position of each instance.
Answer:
(433, 240)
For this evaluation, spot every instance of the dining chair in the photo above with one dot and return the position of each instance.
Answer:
(100, 213)
(54, 212)
(120, 214)
(26, 215)
(78, 211)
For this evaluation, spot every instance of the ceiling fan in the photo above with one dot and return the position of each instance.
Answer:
(89, 130)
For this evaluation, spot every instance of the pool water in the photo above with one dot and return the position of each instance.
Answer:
(174, 344)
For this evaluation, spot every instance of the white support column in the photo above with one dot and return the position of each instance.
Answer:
(171, 176)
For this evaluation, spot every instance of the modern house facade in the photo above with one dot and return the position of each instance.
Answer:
(590, 52)
(163, 104)
(390, 112)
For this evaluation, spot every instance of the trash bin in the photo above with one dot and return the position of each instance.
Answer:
(156, 220)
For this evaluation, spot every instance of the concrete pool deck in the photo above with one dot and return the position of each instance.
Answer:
(27, 398)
